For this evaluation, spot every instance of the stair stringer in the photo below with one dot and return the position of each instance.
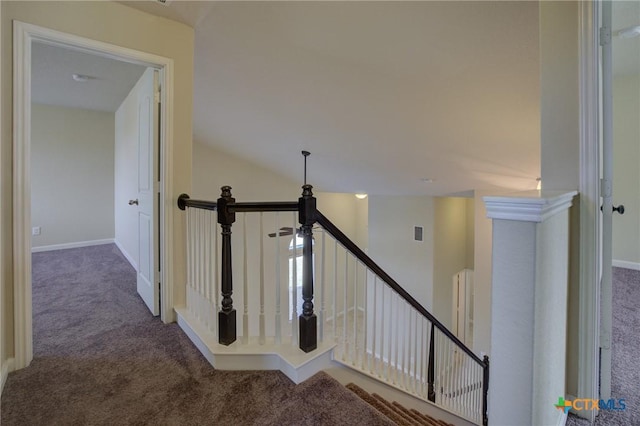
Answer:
(345, 374)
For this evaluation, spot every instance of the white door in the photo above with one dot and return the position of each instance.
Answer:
(148, 136)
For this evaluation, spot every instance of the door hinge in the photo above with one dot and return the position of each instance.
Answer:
(156, 97)
(605, 188)
(605, 36)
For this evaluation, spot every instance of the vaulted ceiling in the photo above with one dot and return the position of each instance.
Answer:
(384, 95)
(431, 98)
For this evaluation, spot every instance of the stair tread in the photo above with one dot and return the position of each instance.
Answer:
(365, 396)
(396, 411)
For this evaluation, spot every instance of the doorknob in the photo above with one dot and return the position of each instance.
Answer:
(132, 202)
(619, 209)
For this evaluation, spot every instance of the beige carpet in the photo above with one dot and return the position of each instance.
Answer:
(102, 359)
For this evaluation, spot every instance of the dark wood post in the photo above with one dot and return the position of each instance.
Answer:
(485, 391)
(227, 314)
(307, 321)
(431, 372)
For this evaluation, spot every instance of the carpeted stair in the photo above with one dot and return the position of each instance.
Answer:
(395, 411)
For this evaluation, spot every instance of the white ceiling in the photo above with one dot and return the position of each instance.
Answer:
(110, 81)
(384, 94)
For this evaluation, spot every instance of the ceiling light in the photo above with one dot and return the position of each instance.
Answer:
(427, 180)
(629, 32)
(361, 196)
(80, 78)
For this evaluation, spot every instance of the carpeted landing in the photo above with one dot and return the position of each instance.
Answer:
(100, 358)
(625, 344)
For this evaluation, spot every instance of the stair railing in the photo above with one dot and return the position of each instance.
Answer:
(378, 327)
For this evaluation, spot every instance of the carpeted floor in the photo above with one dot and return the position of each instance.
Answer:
(100, 358)
(625, 351)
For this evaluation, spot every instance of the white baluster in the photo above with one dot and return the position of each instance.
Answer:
(199, 263)
(355, 312)
(278, 282)
(262, 323)
(322, 289)
(390, 336)
(294, 286)
(205, 266)
(372, 365)
(335, 291)
(365, 323)
(189, 258)
(218, 290)
(345, 304)
(245, 282)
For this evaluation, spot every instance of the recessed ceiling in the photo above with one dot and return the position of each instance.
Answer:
(52, 83)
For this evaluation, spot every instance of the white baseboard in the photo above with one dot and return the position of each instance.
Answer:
(7, 367)
(72, 245)
(126, 255)
(627, 265)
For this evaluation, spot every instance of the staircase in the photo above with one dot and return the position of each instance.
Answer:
(395, 411)
(294, 293)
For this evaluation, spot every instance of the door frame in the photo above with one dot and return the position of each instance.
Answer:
(590, 238)
(24, 35)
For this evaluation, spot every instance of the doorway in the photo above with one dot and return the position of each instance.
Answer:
(25, 36)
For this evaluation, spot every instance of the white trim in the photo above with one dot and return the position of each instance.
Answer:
(23, 36)
(72, 245)
(589, 298)
(126, 255)
(7, 367)
(528, 206)
(626, 264)
(23, 338)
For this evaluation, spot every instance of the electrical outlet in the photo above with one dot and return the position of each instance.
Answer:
(35, 230)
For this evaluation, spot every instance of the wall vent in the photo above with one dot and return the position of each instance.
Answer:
(418, 233)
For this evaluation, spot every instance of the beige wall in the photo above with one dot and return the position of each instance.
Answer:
(391, 244)
(71, 163)
(482, 275)
(119, 25)
(559, 97)
(213, 169)
(450, 239)
(626, 171)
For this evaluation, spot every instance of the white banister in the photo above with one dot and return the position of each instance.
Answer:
(374, 328)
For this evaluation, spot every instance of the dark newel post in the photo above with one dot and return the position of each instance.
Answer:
(431, 372)
(308, 320)
(227, 315)
(485, 391)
